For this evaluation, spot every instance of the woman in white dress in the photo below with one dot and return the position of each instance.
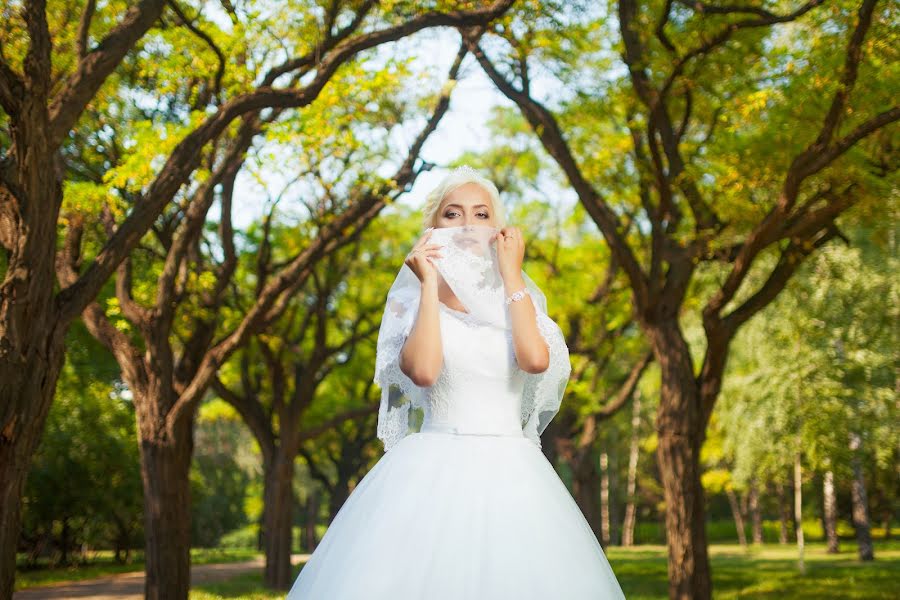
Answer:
(463, 505)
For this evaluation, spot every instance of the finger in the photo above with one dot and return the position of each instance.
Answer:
(424, 238)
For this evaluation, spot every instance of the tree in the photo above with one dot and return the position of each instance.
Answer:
(277, 380)
(815, 372)
(704, 138)
(47, 82)
(84, 485)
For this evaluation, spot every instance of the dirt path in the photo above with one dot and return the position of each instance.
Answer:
(130, 586)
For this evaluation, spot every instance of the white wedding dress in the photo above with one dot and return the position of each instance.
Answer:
(466, 508)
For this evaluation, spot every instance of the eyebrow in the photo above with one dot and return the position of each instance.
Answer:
(460, 205)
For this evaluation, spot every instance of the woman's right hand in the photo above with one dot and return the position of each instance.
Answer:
(419, 258)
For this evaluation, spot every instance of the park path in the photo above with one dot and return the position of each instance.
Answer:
(130, 586)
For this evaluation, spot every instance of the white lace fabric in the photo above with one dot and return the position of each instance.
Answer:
(480, 385)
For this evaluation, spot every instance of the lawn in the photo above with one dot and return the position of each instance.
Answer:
(767, 572)
(756, 573)
(102, 564)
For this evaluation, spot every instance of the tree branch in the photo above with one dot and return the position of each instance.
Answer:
(97, 65)
(274, 297)
(84, 28)
(220, 70)
(12, 89)
(810, 161)
(547, 129)
(626, 389)
(185, 158)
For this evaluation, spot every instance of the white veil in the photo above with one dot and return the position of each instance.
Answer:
(469, 266)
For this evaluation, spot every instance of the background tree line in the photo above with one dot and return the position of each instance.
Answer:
(706, 194)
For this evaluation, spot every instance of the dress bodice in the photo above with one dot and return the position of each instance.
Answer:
(479, 388)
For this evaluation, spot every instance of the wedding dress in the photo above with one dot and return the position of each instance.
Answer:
(463, 505)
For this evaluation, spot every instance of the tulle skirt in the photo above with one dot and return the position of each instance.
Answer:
(448, 516)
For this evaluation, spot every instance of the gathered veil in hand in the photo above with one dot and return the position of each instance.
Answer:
(468, 264)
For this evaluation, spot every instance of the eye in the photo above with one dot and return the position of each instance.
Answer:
(447, 214)
(483, 214)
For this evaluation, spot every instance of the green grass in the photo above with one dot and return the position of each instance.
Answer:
(768, 572)
(244, 587)
(102, 564)
(758, 573)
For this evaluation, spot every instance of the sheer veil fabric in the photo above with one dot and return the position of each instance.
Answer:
(468, 264)
(463, 504)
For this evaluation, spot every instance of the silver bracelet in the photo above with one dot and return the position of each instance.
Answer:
(517, 295)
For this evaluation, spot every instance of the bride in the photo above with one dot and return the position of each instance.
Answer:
(463, 504)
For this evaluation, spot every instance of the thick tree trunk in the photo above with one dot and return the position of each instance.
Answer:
(738, 518)
(28, 377)
(680, 430)
(165, 467)
(31, 336)
(830, 512)
(755, 513)
(860, 503)
(278, 518)
(633, 455)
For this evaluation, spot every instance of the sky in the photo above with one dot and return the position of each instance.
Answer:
(461, 129)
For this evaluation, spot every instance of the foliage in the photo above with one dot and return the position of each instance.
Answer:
(817, 366)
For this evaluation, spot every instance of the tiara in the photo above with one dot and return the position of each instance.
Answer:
(464, 169)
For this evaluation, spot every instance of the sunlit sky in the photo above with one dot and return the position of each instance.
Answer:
(463, 127)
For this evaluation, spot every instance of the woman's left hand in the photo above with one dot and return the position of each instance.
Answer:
(510, 251)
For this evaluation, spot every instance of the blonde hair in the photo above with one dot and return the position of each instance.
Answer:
(459, 177)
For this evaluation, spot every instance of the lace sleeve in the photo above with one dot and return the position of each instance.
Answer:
(398, 392)
(543, 392)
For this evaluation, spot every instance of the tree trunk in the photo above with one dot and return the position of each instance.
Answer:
(680, 430)
(604, 500)
(586, 488)
(830, 512)
(784, 514)
(615, 536)
(633, 455)
(165, 467)
(738, 518)
(860, 503)
(28, 377)
(755, 513)
(798, 511)
(339, 495)
(312, 516)
(278, 518)
(64, 542)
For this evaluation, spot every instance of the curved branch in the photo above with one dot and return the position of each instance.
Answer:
(220, 70)
(186, 155)
(84, 28)
(12, 89)
(548, 131)
(97, 65)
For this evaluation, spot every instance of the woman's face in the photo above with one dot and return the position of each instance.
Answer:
(469, 204)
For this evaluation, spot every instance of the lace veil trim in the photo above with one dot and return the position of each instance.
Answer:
(469, 266)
